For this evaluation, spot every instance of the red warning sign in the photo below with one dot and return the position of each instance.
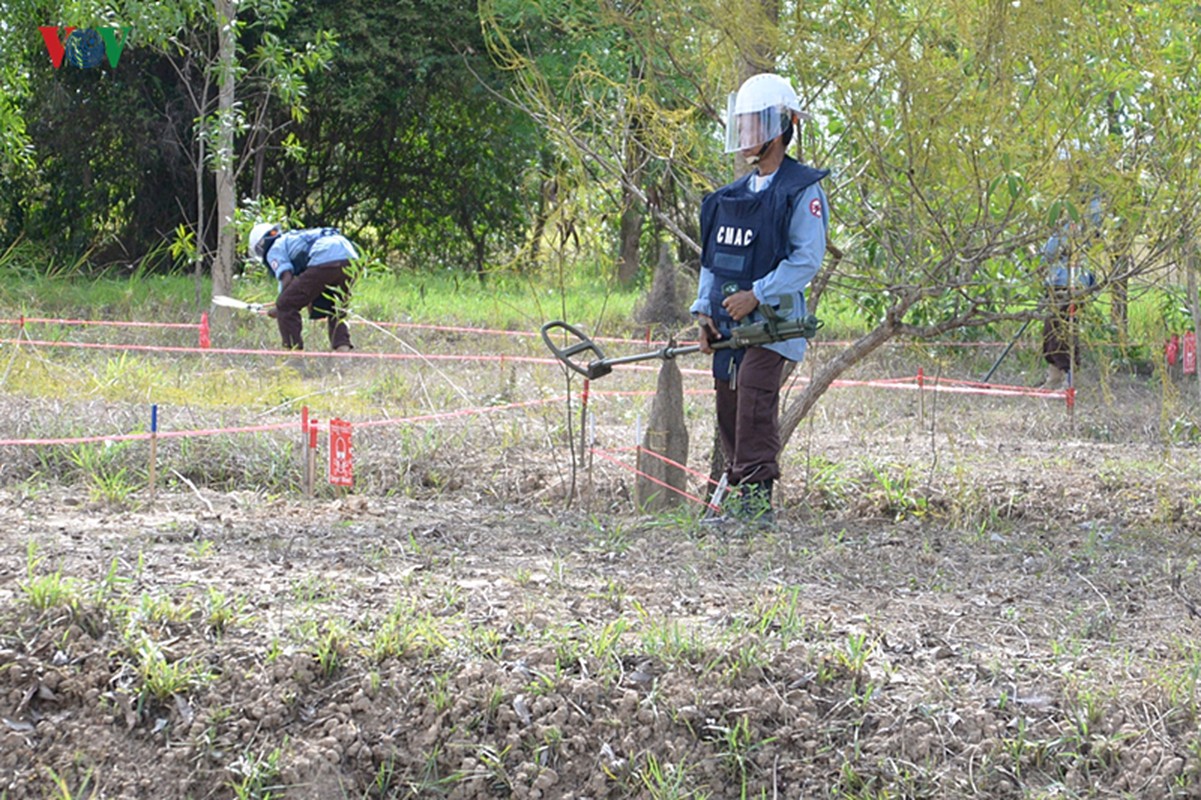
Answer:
(341, 469)
(1172, 350)
(1190, 353)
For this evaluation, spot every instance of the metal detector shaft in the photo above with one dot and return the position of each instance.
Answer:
(663, 353)
(1005, 352)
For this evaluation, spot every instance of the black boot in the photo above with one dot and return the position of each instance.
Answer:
(748, 505)
(754, 505)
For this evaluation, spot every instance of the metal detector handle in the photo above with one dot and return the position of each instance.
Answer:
(595, 368)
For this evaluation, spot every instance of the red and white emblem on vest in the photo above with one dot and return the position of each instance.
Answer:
(815, 207)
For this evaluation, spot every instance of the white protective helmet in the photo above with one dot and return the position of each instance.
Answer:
(759, 111)
(258, 235)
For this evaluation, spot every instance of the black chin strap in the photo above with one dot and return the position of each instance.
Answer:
(753, 160)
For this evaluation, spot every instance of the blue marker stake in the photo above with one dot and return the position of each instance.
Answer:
(153, 446)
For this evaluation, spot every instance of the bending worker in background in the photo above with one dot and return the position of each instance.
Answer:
(312, 268)
(763, 239)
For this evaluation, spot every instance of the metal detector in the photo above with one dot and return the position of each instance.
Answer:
(773, 329)
(601, 366)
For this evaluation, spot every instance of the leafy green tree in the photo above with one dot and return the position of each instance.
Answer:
(407, 137)
(398, 134)
(620, 88)
(959, 134)
(964, 133)
(110, 151)
(85, 167)
(16, 148)
(237, 69)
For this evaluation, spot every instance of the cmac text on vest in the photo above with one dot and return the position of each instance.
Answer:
(736, 237)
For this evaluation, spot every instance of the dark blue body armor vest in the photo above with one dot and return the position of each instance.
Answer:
(745, 236)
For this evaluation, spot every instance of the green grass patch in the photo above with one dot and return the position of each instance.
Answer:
(507, 301)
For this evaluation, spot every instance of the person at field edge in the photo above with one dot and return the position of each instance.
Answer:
(312, 267)
(1066, 282)
(763, 238)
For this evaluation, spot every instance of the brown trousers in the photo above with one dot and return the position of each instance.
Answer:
(309, 286)
(748, 417)
(1061, 343)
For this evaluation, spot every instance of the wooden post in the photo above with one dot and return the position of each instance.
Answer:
(667, 436)
(921, 397)
(585, 454)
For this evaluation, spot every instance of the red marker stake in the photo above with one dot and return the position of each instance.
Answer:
(304, 448)
(312, 459)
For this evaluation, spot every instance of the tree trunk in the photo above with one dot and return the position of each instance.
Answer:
(479, 247)
(260, 166)
(1120, 289)
(631, 236)
(223, 264)
(848, 358)
(1119, 309)
(546, 201)
(630, 233)
(813, 295)
(201, 231)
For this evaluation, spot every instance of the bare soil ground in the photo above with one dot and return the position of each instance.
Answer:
(980, 600)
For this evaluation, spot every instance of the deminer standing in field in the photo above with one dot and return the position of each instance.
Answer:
(763, 240)
(1067, 283)
(313, 269)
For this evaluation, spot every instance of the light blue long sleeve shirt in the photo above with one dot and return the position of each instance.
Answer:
(325, 250)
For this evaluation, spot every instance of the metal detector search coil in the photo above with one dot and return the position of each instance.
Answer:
(773, 329)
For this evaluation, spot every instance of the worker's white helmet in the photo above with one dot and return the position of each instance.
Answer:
(759, 111)
(258, 236)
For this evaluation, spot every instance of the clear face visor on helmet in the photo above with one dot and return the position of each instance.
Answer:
(752, 130)
(259, 246)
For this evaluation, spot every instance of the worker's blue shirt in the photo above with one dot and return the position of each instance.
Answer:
(1056, 258)
(322, 246)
